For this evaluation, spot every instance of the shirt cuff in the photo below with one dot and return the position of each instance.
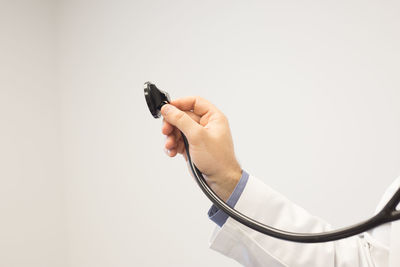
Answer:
(218, 216)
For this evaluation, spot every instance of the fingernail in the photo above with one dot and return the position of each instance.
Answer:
(167, 151)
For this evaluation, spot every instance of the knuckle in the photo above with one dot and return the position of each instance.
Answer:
(224, 118)
(198, 99)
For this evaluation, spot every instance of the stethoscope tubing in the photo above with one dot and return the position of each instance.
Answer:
(387, 214)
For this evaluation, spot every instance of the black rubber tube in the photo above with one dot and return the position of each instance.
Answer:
(387, 214)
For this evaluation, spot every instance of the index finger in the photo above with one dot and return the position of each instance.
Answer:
(199, 105)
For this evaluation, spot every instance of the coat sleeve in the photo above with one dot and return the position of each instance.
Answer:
(251, 248)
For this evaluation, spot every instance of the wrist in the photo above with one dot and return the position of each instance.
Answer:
(224, 185)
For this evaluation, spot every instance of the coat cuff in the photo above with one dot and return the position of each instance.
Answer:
(220, 217)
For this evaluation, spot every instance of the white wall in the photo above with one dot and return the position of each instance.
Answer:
(32, 208)
(311, 90)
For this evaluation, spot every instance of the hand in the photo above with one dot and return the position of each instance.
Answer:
(210, 141)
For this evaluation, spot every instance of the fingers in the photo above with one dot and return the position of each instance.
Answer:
(166, 128)
(173, 139)
(170, 142)
(180, 119)
(199, 105)
(172, 152)
(178, 149)
(174, 143)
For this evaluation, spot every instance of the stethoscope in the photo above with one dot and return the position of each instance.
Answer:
(156, 98)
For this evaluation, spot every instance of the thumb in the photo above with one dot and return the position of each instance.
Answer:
(181, 120)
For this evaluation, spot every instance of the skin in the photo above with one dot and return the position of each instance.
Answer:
(210, 141)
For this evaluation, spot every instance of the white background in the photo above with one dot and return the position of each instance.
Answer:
(311, 89)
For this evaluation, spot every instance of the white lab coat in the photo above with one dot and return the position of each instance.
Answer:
(379, 247)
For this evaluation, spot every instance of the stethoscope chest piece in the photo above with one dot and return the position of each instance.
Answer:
(155, 98)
